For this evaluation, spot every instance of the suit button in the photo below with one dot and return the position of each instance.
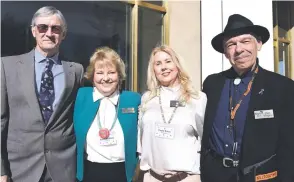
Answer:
(46, 151)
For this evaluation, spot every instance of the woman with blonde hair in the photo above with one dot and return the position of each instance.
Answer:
(170, 121)
(105, 122)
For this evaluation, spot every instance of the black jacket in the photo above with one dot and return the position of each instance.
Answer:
(270, 140)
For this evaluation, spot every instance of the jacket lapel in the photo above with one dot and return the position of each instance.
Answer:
(255, 98)
(119, 112)
(92, 109)
(26, 74)
(69, 78)
(212, 104)
(125, 118)
(255, 101)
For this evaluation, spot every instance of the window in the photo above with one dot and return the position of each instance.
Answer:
(150, 22)
(92, 24)
(149, 36)
(159, 3)
(282, 36)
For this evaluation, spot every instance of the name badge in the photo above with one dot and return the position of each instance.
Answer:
(128, 110)
(263, 114)
(164, 131)
(108, 142)
(175, 103)
(267, 176)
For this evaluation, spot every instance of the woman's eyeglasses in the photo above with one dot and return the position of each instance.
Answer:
(43, 28)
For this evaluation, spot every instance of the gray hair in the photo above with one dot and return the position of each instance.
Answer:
(49, 11)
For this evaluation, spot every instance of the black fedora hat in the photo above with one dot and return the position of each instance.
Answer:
(238, 25)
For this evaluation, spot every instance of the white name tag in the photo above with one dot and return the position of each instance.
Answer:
(263, 114)
(164, 131)
(108, 142)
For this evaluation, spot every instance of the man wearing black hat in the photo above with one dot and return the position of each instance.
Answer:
(249, 127)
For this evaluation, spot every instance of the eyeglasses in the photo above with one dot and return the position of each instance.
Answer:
(43, 28)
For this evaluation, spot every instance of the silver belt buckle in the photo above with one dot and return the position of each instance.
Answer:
(227, 159)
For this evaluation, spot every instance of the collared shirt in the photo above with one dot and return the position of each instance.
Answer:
(181, 152)
(221, 138)
(58, 74)
(107, 112)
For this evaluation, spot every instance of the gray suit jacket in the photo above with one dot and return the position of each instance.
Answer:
(27, 144)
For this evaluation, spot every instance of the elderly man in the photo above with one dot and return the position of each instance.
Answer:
(38, 90)
(248, 128)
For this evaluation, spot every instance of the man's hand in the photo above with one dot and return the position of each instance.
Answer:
(4, 178)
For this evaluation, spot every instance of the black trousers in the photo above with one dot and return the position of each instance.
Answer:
(212, 170)
(104, 172)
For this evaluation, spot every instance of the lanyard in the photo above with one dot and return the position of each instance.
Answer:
(233, 109)
(161, 110)
(114, 120)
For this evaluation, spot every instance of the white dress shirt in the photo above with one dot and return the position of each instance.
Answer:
(107, 113)
(180, 153)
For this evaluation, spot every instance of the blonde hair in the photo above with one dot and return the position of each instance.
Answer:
(187, 90)
(106, 57)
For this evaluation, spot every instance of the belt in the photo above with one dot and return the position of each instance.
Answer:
(227, 161)
(169, 177)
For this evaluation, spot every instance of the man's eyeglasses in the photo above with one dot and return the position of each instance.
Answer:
(43, 28)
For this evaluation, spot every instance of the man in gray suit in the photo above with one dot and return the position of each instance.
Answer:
(38, 90)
